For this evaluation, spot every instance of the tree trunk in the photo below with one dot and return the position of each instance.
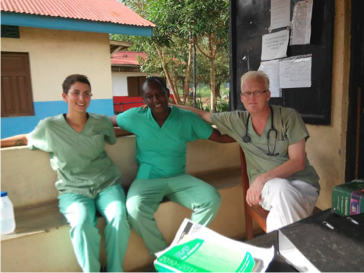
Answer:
(212, 84)
(168, 76)
(188, 73)
(175, 81)
(198, 78)
(217, 89)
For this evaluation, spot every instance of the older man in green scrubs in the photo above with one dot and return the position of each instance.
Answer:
(162, 133)
(273, 139)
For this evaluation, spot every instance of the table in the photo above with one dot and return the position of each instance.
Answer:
(338, 249)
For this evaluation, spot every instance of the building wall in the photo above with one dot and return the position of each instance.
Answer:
(326, 147)
(120, 83)
(53, 55)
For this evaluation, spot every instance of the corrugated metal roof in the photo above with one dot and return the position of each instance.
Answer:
(109, 11)
(127, 58)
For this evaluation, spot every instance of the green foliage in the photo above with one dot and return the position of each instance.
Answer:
(221, 105)
(177, 22)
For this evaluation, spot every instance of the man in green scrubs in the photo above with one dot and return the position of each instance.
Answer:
(273, 139)
(162, 133)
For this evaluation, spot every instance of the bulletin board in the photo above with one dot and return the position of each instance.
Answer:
(249, 20)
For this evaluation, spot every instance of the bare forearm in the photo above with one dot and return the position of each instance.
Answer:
(206, 116)
(218, 137)
(285, 170)
(18, 140)
(113, 121)
(295, 163)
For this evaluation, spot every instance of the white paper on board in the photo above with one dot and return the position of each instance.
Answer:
(274, 45)
(295, 72)
(280, 12)
(301, 23)
(271, 68)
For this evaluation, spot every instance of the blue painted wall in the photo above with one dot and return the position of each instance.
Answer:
(23, 125)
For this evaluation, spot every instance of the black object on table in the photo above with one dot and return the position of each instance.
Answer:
(328, 241)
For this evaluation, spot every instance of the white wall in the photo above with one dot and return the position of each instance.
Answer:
(55, 54)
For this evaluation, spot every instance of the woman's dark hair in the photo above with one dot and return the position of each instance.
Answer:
(71, 79)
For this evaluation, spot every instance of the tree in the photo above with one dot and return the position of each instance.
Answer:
(180, 24)
(211, 32)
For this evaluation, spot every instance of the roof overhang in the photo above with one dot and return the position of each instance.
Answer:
(48, 22)
(116, 46)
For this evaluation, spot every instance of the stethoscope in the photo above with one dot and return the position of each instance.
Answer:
(248, 139)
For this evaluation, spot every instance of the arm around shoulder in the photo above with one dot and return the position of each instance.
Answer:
(206, 116)
(18, 140)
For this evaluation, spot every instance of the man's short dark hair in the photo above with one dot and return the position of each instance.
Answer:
(157, 80)
(71, 79)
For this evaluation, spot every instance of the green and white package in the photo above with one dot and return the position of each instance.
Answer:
(198, 255)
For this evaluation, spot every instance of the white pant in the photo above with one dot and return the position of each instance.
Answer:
(287, 201)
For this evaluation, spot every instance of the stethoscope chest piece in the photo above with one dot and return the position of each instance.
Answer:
(246, 139)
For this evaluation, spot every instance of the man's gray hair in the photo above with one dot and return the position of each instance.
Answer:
(255, 75)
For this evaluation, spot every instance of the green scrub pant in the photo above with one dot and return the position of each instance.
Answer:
(80, 212)
(144, 197)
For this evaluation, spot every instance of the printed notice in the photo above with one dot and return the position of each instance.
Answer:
(271, 68)
(295, 72)
(274, 45)
(301, 23)
(280, 11)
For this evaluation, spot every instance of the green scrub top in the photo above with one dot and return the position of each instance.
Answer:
(291, 129)
(80, 160)
(161, 151)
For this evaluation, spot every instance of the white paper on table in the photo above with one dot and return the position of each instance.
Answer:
(271, 68)
(295, 72)
(194, 230)
(280, 12)
(274, 45)
(301, 23)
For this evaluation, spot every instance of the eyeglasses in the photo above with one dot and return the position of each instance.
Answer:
(255, 93)
(78, 94)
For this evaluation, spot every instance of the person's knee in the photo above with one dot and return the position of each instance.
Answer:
(133, 206)
(83, 219)
(115, 210)
(279, 185)
(213, 200)
(118, 218)
(216, 199)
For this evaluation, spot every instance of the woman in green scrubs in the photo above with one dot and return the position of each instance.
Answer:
(88, 181)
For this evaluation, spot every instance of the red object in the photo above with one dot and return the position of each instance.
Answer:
(123, 103)
(127, 58)
(109, 11)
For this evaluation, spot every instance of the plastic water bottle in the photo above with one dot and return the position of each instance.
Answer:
(7, 219)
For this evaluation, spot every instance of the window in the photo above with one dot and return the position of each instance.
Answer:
(16, 90)
(135, 85)
(9, 31)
